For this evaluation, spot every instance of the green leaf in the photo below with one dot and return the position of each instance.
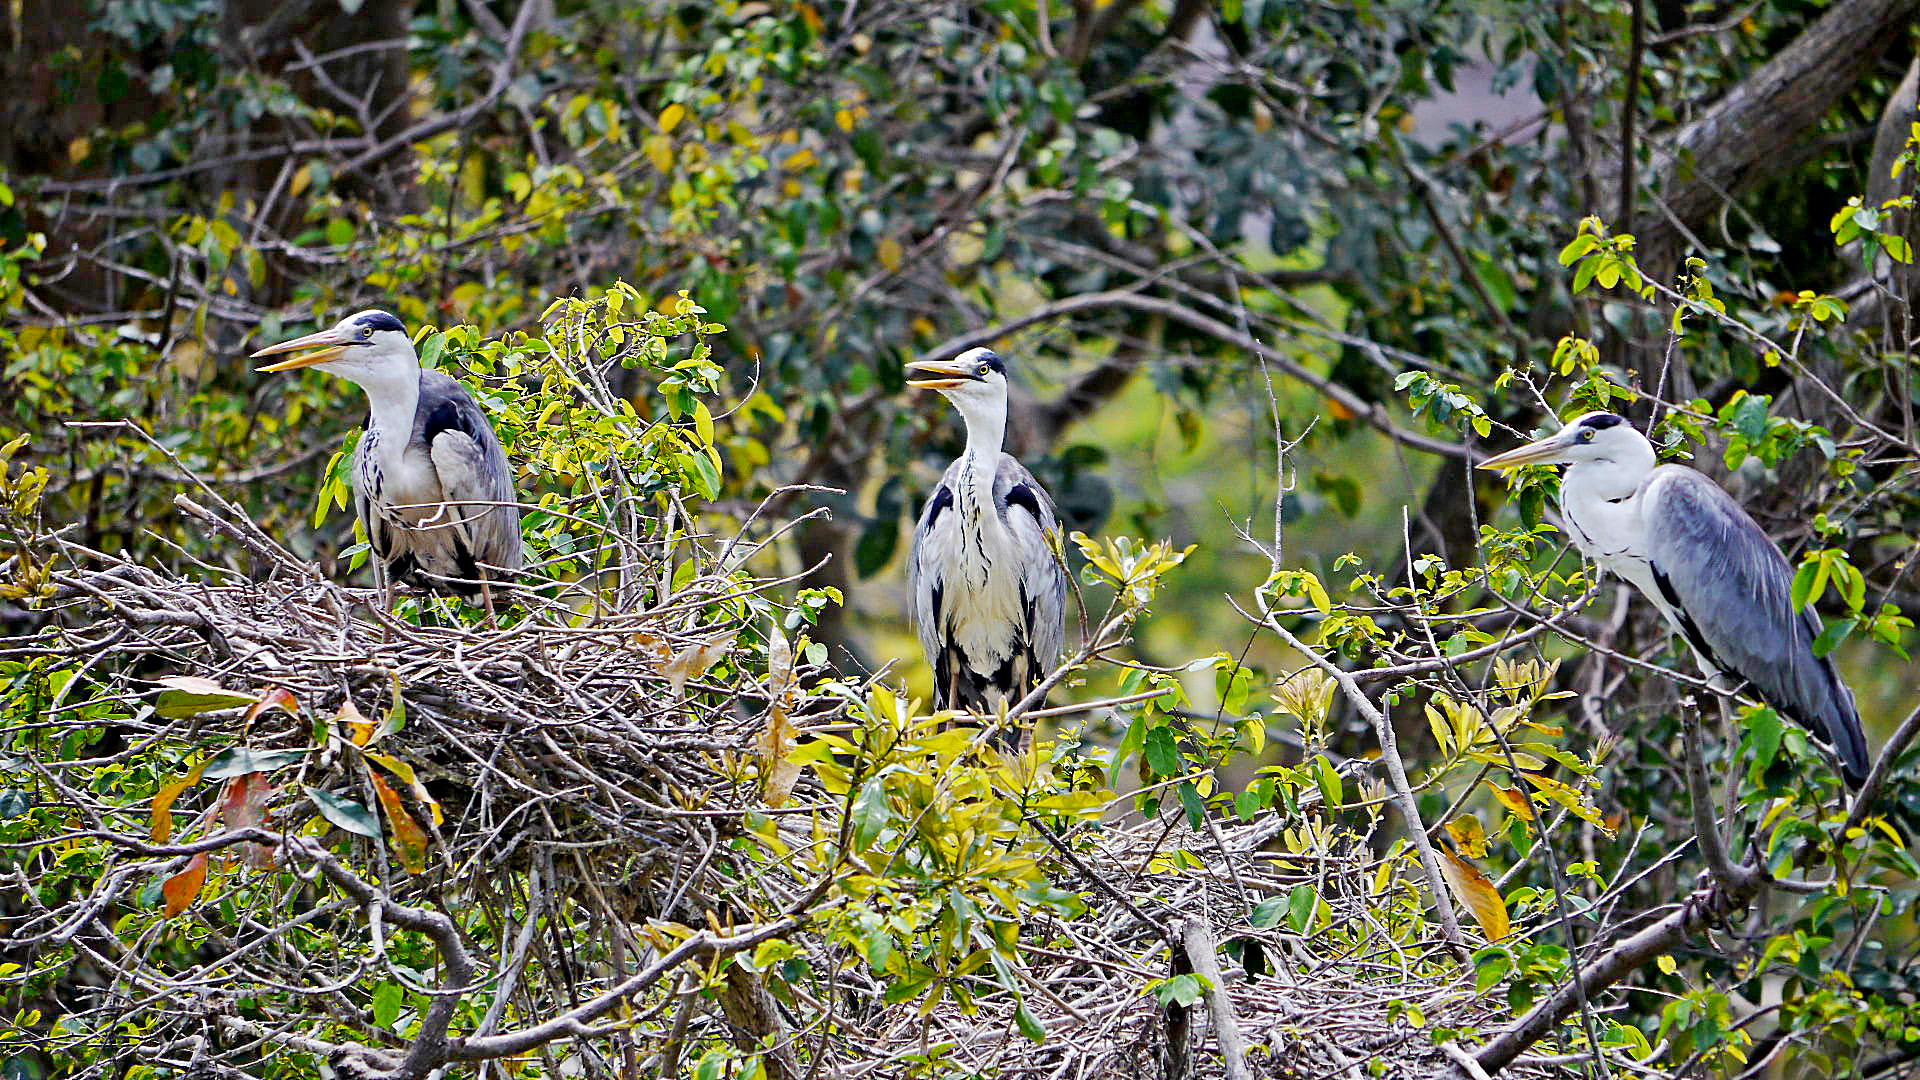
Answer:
(345, 813)
(1584, 276)
(1490, 965)
(869, 813)
(1812, 573)
(1300, 905)
(1763, 732)
(1162, 752)
(387, 999)
(1836, 632)
(1897, 247)
(1577, 247)
(1190, 800)
(14, 803)
(1267, 912)
(189, 695)
(1029, 1024)
(1329, 780)
(1181, 989)
(241, 760)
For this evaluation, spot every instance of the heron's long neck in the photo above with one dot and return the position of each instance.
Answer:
(393, 397)
(980, 464)
(1596, 496)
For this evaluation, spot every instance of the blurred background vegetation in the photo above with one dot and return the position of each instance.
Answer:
(1157, 210)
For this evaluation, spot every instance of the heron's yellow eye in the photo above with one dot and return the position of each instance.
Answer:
(366, 331)
(984, 368)
(1586, 435)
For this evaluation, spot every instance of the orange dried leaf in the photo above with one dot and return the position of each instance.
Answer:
(409, 839)
(359, 728)
(405, 772)
(1478, 894)
(160, 821)
(243, 804)
(181, 889)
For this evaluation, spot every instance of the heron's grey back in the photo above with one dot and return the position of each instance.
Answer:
(1736, 588)
(472, 468)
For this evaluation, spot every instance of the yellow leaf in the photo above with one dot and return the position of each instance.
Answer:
(1514, 800)
(844, 118)
(1476, 893)
(659, 150)
(671, 116)
(301, 178)
(79, 149)
(1468, 834)
(890, 253)
(182, 888)
(800, 160)
(409, 839)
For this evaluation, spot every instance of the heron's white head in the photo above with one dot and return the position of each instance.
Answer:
(976, 383)
(370, 348)
(1596, 438)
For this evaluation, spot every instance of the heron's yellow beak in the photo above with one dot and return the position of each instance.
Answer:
(327, 342)
(1532, 453)
(939, 375)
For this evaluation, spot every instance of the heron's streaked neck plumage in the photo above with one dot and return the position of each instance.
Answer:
(393, 397)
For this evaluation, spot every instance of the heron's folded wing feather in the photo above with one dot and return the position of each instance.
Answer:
(1043, 580)
(1731, 581)
(472, 469)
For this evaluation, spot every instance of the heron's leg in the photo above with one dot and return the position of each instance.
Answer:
(486, 598)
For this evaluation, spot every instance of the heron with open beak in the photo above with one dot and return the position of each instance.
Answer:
(431, 485)
(1703, 561)
(988, 591)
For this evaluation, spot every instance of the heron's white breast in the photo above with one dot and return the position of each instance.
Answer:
(978, 567)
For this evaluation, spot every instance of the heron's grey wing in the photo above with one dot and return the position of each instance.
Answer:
(472, 469)
(926, 583)
(1043, 581)
(1734, 590)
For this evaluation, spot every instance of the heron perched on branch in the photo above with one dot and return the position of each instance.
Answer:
(431, 485)
(1705, 563)
(988, 591)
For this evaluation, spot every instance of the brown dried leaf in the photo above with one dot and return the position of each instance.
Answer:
(409, 839)
(693, 661)
(1478, 894)
(181, 889)
(775, 746)
(160, 821)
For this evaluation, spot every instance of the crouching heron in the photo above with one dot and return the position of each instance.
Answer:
(1705, 563)
(431, 485)
(988, 592)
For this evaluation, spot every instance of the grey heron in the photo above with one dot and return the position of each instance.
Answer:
(1706, 565)
(988, 592)
(431, 485)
